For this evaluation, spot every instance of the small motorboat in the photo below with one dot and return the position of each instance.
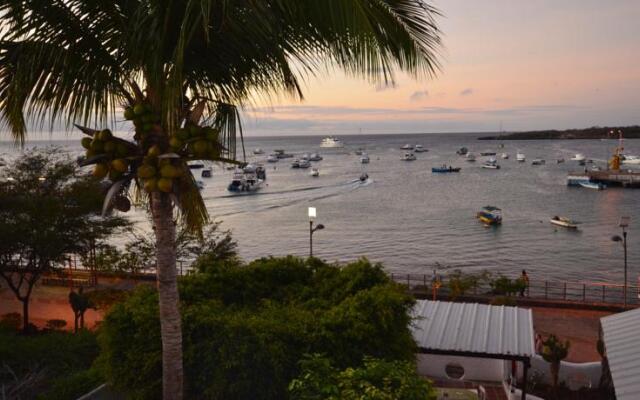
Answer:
(195, 165)
(559, 160)
(359, 151)
(281, 154)
(363, 177)
(304, 163)
(578, 157)
(488, 153)
(245, 180)
(582, 162)
(408, 156)
(630, 160)
(258, 151)
(520, 157)
(315, 157)
(419, 149)
(491, 163)
(444, 169)
(490, 215)
(315, 172)
(564, 222)
(273, 158)
(364, 159)
(538, 161)
(206, 173)
(407, 147)
(593, 185)
(596, 168)
(504, 156)
(462, 151)
(295, 163)
(331, 141)
(471, 157)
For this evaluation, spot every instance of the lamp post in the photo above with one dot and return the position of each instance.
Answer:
(624, 223)
(312, 217)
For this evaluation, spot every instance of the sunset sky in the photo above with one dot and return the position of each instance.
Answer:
(530, 65)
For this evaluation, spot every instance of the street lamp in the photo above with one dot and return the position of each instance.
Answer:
(624, 223)
(312, 217)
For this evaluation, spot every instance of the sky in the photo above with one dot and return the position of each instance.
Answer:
(522, 65)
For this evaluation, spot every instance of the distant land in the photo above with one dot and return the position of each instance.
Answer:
(595, 132)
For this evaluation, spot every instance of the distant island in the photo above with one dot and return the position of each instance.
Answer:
(595, 132)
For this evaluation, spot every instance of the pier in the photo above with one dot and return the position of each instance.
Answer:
(624, 178)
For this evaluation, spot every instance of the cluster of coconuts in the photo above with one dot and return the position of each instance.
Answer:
(103, 143)
(196, 141)
(143, 119)
(159, 174)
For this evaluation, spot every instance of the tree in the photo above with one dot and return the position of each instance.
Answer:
(554, 351)
(178, 69)
(80, 303)
(45, 214)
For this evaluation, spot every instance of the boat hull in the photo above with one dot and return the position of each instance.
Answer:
(563, 224)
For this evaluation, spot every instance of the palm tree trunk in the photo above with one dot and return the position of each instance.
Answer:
(170, 325)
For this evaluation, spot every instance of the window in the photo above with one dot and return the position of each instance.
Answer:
(454, 371)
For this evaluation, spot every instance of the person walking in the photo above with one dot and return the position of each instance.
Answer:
(525, 281)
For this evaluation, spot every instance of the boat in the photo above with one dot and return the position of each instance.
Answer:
(595, 168)
(331, 141)
(593, 185)
(419, 149)
(520, 157)
(364, 159)
(582, 162)
(408, 156)
(564, 222)
(258, 169)
(578, 157)
(258, 151)
(272, 158)
(462, 151)
(195, 165)
(407, 147)
(315, 157)
(304, 163)
(279, 153)
(295, 163)
(444, 169)
(206, 172)
(315, 172)
(471, 157)
(200, 184)
(363, 177)
(559, 160)
(504, 156)
(491, 163)
(230, 167)
(574, 179)
(359, 151)
(490, 215)
(245, 180)
(305, 156)
(488, 153)
(630, 160)
(538, 161)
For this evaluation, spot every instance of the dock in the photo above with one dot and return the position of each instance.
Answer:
(624, 178)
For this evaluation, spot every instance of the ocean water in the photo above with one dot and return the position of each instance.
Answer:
(414, 221)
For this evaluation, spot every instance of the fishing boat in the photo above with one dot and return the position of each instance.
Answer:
(593, 185)
(578, 157)
(315, 157)
(520, 157)
(444, 169)
(490, 215)
(315, 172)
(462, 151)
(470, 157)
(491, 163)
(559, 160)
(295, 163)
(245, 180)
(206, 172)
(407, 147)
(419, 149)
(504, 156)
(408, 156)
(304, 163)
(331, 141)
(488, 153)
(272, 158)
(564, 222)
(258, 151)
(364, 159)
(538, 161)
(279, 153)
(258, 169)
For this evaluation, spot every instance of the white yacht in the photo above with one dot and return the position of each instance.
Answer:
(245, 180)
(520, 157)
(315, 172)
(272, 158)
(470, 156)
(630, 160)
(364, 159)
(408, 156)
(407, 147)
(419, 149)
(491, 163)
(258, 151)
(504, 156)
(331, 141)
(315, 157)
(578, 157)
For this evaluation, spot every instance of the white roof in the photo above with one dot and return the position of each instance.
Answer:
(472, 327)
(623, 351)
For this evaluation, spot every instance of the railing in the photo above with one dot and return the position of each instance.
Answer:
(569, 291)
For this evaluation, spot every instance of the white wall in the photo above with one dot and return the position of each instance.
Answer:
(591, 370)
(482, 369)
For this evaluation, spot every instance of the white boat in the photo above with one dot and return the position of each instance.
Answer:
(630, 160)
(304, 163)
(305, 156)
(578, 157)
(258, 150)
(245, 180)
(315, 172)
(206, 172)
(419, 149)
(364, 159)
(315, 157)
(538, 161)
(564, 222)
(504, 156)
(331, 141)
(408, 156)
(407, 147)
(359, 151)
(471, 157)
(491, 163)
(593, 185)
(272, 158)
(295, 163)
(520, 157)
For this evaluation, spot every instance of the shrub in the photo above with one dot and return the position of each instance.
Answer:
(375, 380)
(11, 321)
(73, 385)
(245, 328)
(507, 287)
(459, 283)
(56, 324)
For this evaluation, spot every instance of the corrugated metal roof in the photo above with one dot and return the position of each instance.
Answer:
(471, 327)
(620, 335)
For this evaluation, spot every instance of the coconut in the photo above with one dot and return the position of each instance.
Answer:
(212, 134)
(195, 131)
(139, 109)
(120, 165)
(90, 153)
(200, 147)
(147, 126)
(122, 150)
(100, 170)
(165, 184)
(146, 171)
(110, 146)
(114, 174)
(86, 142)
(97, 145)
(129, 114)
(182, 134)
(169, 171)
(105, 135)
(176, 143)
(154, 151)
(150, 185)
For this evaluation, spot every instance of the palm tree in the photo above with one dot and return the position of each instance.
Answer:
(178, 69)
(553, 352)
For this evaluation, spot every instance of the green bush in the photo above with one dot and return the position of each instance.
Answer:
(245, 328)
(375, 380)
(11, 321)
(504, 286)
(73, 385)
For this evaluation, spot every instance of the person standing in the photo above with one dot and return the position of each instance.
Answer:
(525, 281)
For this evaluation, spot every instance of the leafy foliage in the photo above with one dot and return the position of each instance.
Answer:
(246, 327)
(506, 286)
(375, 380)
(460, 283)
(553, 352)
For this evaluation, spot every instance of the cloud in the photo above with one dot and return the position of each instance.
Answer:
(419, 95)
(467, 92)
